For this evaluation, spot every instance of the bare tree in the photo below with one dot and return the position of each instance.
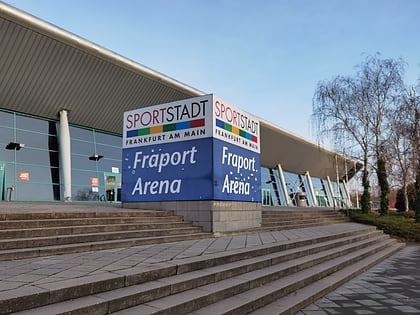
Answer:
(404, 140)
(382, 84)
(413, 108)
(338, 113)
(355, 110)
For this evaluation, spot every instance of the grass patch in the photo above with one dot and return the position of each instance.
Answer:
(395, 224)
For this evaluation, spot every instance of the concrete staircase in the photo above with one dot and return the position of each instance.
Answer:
(279, 278)
(300, 218)
(34, 234)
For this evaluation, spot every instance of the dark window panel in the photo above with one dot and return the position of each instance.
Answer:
(37, 174)
(81, 147)
(80, 133)
(37, 156)
(32, 124)
(108, 139)
(109, 152)
(83, 178)
(82, 162)
(26, 191)
(105, 165)
(6, 135)
(6, 119)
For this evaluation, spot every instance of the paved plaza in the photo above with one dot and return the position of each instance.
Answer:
(391, 287)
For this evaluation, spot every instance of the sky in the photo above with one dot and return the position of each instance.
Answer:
(263, 56)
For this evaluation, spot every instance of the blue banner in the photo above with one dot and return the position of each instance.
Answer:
(170, 171)
(236, 173)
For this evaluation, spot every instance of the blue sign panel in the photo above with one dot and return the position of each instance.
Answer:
(169, 171)
(236, 173)
(200, 148)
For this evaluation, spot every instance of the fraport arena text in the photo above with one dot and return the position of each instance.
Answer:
(160, 161)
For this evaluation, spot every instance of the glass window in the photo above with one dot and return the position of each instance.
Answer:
(35, 174)
(84, 194)
(32, 124)
(32, 139)
(6, 135)
(82, 178)
(109, 152)
(320, 192)
(82, 162)
(106, 165)
(108, 139)
(7, 155)
(82, 134)
(270, 187)
(293, 184)
(10, 174)
(37, 156)
(82, 147)
(6, 119)
(26, 191)
(344, 196)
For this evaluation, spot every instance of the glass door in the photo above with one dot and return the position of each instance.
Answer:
(112, 187)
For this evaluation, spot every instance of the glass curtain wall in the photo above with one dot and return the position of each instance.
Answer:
(273, 195)
(34, 170)
(294, 185)
(320, 191)
(271, 191)
(95, 178)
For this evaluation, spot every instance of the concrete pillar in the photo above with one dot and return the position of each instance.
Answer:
(333, 201)
(311, 189)
(65, 154)
(284, 186)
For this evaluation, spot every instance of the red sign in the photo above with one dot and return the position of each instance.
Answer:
(94, 181)
(23, 176)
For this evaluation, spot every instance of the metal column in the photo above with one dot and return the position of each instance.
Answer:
(311, 188)
(65, 154)
(283, 186)
(331, 189)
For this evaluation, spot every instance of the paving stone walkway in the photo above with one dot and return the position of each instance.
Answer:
(38, 272)
(391, 287)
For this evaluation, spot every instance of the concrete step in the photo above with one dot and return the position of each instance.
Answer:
(84, 229)
(292, 303)
(280, 222)
(92, 237)
(22, 253)
(39, 223)
(117, 212)
(189, 284)
(292, 275)
(33, 234)
(295, 219)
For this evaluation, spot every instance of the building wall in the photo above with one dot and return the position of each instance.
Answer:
(34, 170)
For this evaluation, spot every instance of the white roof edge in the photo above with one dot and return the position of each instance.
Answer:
(55, 32)
(300, 139)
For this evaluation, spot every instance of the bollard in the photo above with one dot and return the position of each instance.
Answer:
(9, 192)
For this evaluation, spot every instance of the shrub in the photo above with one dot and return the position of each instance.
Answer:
(394, 224)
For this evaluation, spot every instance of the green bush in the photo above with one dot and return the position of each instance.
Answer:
(395, 224)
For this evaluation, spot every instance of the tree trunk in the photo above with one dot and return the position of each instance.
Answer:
(417, 192)
(383, 185)
(365, 199)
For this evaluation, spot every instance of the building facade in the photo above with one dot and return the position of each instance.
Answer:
(61, 104)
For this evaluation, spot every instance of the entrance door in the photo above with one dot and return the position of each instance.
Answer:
(113, 187)
(2, 181)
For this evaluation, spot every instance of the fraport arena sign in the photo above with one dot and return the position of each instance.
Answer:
(200, 148)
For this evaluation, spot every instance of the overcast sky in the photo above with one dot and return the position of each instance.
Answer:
(264, 56)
